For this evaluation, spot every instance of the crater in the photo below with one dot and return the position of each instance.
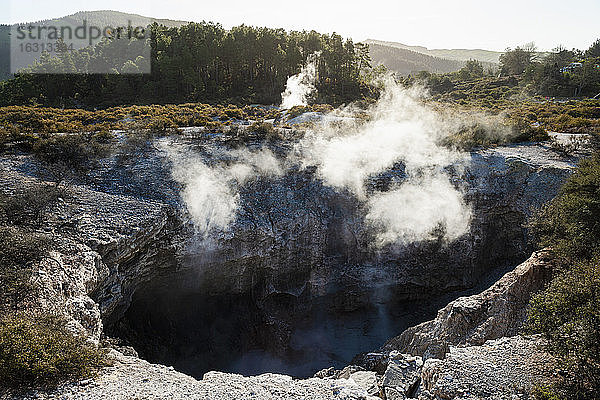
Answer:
(177, 321)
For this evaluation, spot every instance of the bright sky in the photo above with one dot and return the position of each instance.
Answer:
(492, 25)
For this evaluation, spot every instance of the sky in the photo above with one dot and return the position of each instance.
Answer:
(483, 24)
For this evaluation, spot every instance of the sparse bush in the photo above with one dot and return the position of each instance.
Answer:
(161, 123)
(567, 313)
(19, 249)
(29, 206)
(297, 110)
(233, 112)
(38, 351)
(570, 223)
(545, 392)
(264, 131)
(472, 136)
(524, 131)
(71, 153)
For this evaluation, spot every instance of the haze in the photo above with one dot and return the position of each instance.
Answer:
(434, 24)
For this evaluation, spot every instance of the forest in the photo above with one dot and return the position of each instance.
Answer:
(197, 62)
(523, 72)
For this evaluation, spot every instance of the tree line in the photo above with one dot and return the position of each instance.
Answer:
(561, 72)
(197, 62)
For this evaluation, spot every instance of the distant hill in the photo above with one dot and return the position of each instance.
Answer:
(398, 57)
(101, 19)
(486, 56)
(405, 62)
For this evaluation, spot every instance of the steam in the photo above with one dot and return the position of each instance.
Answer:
(422, 210)
(210, 184)
(401, 128)
(300, 86)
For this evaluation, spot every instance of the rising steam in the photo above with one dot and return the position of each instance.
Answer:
(419, 210)
(400, 128)
(300, 86)
(210, 191)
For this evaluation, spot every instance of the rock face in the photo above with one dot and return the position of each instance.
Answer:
(298, 248)
(496, 312)
(471, 349)
(106, 246)
(507, 368)
(64, 280)
(297, 251)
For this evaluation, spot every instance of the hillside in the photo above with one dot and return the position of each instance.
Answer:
(487, 56)
(104, 18)
(405, 62)
(101, 18)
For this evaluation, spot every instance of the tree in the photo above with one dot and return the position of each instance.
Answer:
(594, 50)
(196, 62)
(472, 69)
(514, 62)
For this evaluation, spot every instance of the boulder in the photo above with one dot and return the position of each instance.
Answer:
(402, 376)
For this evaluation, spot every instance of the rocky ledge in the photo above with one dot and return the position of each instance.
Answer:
(113, 240)
(478, 361)
(132, 378)
(496, 312)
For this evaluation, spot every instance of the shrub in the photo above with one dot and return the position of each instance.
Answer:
(29, 206)
(38, 351)
(567, 313)
(20, 246)
(545, 392)
(232, 112)
(264, 131)
(19, 249)
(71, 153)
(570, 223)
(161, 123)
(297, 110)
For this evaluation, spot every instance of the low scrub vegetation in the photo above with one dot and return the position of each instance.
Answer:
(74, 153)
(570, 224)
(20, 248)
(490, 130)
(21, 245)
(38, 351)
(567, 312)
(158, 118)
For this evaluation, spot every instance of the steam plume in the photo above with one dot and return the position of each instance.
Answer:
(210, 185)
(402, 128)
(300, 86)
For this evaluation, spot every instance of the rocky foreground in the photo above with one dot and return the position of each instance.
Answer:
(114, 239)
(500, 367)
